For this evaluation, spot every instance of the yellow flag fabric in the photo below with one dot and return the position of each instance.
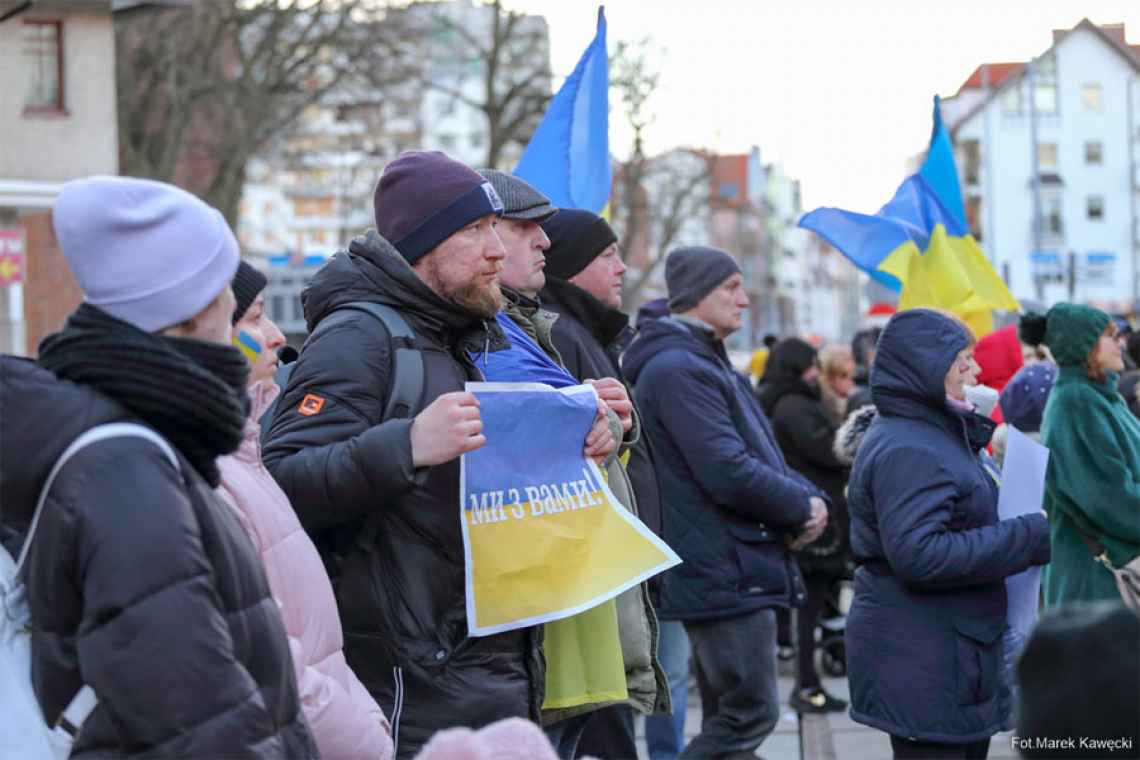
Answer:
(953, 274)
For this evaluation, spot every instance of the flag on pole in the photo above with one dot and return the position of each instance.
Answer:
(919, 243)
(568, 158)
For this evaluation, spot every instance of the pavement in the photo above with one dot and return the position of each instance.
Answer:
(825, 737)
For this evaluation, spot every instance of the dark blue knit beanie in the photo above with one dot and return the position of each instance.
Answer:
(424, 197)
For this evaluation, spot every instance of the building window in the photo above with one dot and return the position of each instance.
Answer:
(1096, 208)
(729, 190)
(1045, 99)
(972, 155)
(1091, 97)
(974, 216)
(1046, 155)
(43, 51)
(1094, 153)
(1011, 101)
(1054, 224)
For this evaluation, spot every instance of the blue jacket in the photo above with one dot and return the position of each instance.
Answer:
(924, 635)
(729, 498)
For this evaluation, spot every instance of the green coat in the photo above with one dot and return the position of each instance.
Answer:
(1094, 473)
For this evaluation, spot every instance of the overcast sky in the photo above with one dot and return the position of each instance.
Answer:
(838, 91)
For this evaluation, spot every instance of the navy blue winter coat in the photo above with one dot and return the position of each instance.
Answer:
(729, 498)
(924, 636)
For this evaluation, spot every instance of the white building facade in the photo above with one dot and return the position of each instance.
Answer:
(1048, 161)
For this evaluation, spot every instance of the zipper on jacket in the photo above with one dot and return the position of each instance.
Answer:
(397, 708)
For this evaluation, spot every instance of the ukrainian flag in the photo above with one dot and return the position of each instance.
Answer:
(919, 242)
(568, 158)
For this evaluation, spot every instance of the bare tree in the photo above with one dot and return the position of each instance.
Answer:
(678, 185)
(656, 197)
(512, 60)
(203, 87)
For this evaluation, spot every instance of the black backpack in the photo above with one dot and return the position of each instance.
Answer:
(407, 379)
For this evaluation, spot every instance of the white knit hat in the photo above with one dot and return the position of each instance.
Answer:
(146, 252)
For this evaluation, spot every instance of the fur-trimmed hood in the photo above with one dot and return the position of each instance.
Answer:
(850, 434)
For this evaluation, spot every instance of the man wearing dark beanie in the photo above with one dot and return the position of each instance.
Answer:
(584, 287)
(379, 494)
(733, 507)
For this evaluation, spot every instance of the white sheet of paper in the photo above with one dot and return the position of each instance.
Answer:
(1022, 493)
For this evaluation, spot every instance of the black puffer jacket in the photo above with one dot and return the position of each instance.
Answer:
(401, 591)
(806, 437)
(141, 585)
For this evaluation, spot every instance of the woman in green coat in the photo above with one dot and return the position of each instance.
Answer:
(1093, 481)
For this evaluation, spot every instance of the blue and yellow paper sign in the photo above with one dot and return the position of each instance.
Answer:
(543, 535)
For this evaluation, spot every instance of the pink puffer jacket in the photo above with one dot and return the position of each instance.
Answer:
(345, 720)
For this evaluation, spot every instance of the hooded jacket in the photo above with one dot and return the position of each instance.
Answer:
(345, 720)
(400, 580)
(142, 585)
(924, 634)
(730, 498)
(806, 435)
(1094, 478)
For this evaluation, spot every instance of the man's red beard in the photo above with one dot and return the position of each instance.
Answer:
(481, 299)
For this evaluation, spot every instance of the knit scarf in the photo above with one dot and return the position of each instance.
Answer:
(190, 391)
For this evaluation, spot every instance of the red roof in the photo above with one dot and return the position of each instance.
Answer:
(998, 73)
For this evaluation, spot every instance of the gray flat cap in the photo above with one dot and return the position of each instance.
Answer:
(520, 199)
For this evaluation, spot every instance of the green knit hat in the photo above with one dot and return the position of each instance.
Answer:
(1069, 330)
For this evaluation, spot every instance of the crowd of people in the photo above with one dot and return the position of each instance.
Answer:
(284, 576)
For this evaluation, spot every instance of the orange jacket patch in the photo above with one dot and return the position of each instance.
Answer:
(310, 405)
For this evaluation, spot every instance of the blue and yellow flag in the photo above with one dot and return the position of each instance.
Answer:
(569, 156)
(919, 242)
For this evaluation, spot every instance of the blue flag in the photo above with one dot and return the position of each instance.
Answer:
(568, 158)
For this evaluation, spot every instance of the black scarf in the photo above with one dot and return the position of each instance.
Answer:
(190, 391)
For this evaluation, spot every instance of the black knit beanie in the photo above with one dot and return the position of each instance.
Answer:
(692, 273)
(577, 237)
(247, 283)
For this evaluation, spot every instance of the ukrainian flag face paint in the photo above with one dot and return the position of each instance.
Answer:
(248, 346)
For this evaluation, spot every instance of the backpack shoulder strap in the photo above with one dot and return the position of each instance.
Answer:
(94, 435)
(85, 701)
(406, 385)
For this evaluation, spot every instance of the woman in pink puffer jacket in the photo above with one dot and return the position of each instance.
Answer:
(345, 720)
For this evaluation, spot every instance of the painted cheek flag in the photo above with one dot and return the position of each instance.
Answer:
(919, 242)
(568, 158)
(544, 538)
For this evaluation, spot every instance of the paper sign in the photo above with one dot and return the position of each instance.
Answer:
(1022, 493)
(543, 536)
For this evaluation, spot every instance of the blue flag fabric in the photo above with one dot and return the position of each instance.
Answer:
(523, 362)
(939, 170)
(568, 158)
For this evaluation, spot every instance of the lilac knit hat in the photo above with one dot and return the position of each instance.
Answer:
(424, 197)
(146, 252)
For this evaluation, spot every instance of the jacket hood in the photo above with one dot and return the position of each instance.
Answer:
(999, 355)
(373, 270)
(42, 415)
(915, 352)
(783, 374)
(850, 435)
(659, 335)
